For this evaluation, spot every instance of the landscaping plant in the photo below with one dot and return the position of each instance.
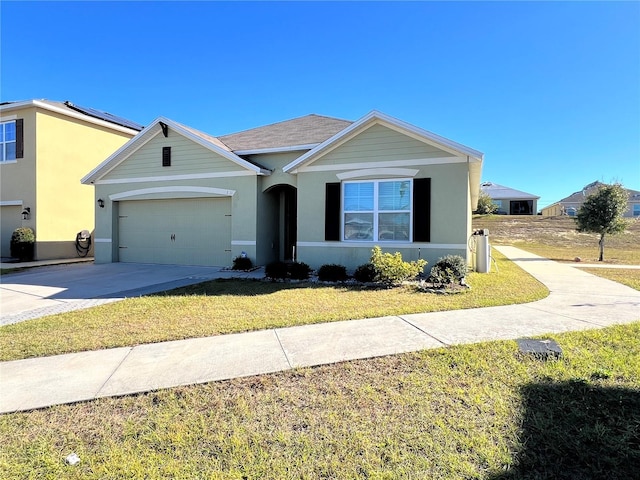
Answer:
(602, 213)
(22, 243)
(391, 269)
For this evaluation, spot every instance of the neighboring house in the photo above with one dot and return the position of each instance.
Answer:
(571, 204)
(316, 189)
(46, 149)
(511, 201)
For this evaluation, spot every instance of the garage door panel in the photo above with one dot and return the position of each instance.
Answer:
(179, 231)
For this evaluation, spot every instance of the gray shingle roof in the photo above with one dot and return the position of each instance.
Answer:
(307, 130)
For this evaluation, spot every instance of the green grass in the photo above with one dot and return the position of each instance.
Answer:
(628, 277)
(231, 306)
(467, 412)
(556, 238)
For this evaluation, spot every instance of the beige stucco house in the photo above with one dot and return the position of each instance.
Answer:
(316, 189)
(571, 204)
(46, 148)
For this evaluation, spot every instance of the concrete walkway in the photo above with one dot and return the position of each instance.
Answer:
(578, 300)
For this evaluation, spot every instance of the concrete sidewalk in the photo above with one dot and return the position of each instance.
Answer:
(578, 300)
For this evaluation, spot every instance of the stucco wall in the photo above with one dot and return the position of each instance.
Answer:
(58, 151)
(450, 200)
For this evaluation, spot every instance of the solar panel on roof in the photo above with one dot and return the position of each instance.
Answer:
(108, 117)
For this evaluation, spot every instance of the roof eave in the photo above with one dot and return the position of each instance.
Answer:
(375, 116)
(68, 113)
(149, 132)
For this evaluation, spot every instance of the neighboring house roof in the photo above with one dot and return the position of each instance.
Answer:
(302, 133)
(578, 197)
(84, 113)
(500, 192)
(153, 129)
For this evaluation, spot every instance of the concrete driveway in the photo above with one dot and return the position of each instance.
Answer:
(47, 290)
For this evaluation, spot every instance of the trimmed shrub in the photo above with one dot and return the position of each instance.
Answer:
(299, 271)
(276, 270)
(332, 273)
(365, 273)
(447, 270)
(22, 243)
(242, 263)
(391, 269)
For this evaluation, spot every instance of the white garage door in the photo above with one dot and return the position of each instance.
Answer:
(11, 217)
(194, 231)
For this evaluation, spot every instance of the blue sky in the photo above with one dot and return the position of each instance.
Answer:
(549, 91)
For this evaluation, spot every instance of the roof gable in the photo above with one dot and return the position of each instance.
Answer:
(156, 128)
(307, 132)
(379, 118)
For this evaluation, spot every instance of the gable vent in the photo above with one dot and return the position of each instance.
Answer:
(166, 156)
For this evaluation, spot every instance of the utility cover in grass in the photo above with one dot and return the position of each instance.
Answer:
(545, 349)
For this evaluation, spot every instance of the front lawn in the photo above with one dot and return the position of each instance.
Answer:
(467, 412)
(220, 307)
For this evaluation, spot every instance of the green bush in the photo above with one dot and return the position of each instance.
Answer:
(485, 205)
(332, 273)
(365, 273)
(299, 270)
(282, 270)
(391, 269)
(449, 269)
(22, 243)
(276, 270)
(242, 263)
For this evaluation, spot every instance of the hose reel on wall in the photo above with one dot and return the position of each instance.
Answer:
(83, 243)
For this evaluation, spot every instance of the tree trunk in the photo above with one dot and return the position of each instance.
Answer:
(601, 242)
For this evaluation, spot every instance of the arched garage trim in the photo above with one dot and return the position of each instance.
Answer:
(175, 192)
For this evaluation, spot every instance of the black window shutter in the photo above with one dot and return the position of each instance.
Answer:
(332, 212)
(166, 156)
(422, 210)
(19, 138)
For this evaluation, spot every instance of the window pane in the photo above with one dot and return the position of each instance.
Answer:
(358, 197)
(393, 226)
(394, 195)
(358, 226)
(9, 131)
(11, 151)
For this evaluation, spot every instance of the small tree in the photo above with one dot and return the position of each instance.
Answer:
(485, 204)
(602, 212)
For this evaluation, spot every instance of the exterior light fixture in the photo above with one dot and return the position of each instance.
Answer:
(101, 203)
(26, 213)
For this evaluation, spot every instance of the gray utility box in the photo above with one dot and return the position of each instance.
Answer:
(483, 250)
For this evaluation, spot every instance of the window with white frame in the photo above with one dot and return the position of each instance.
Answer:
(377, 210)
(7, 141)
(636, 209)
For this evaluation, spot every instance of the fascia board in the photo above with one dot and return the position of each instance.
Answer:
(215, 148)
(440, 140)
(67, 113)
(292, 148)
(120, 155)
(327, 145)
(388, 121)
(146, 135)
